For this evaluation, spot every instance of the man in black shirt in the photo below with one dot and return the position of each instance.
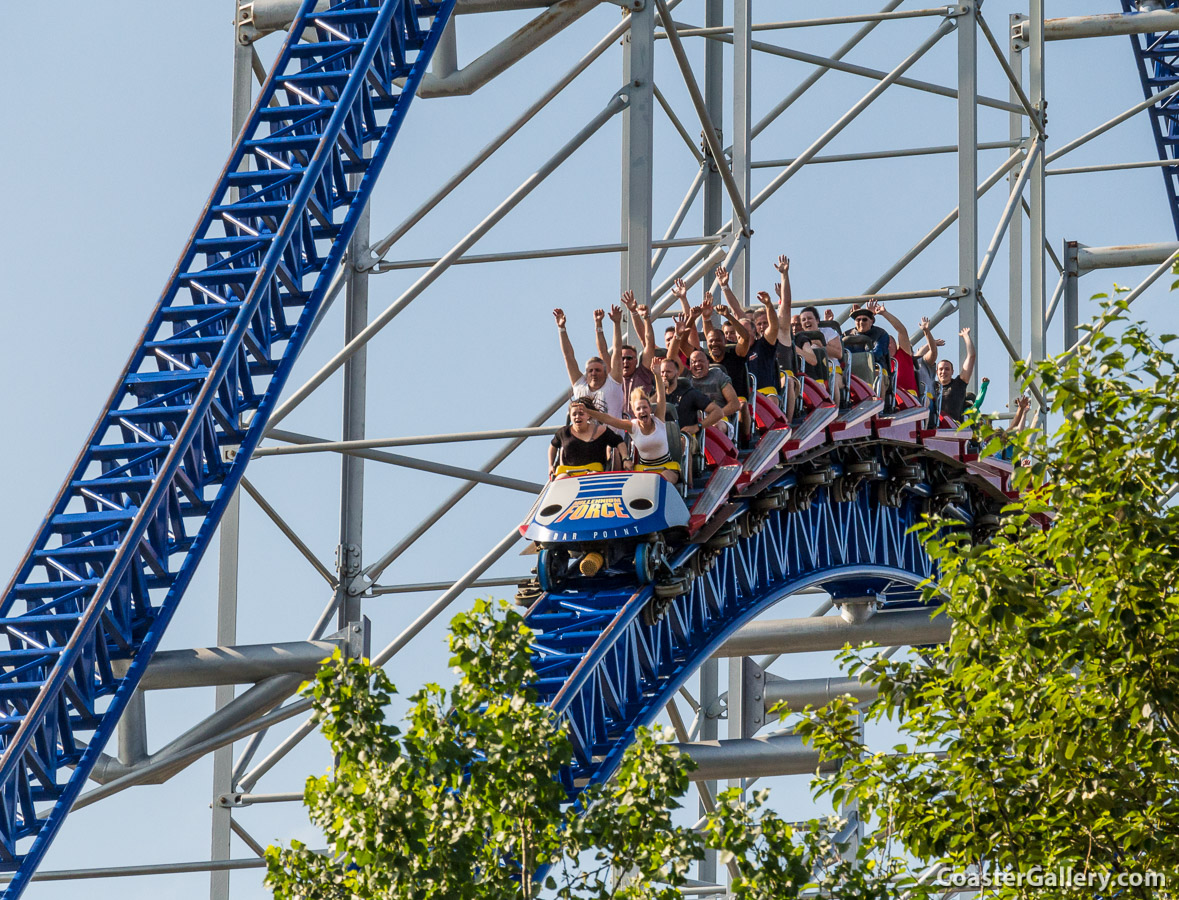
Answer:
(690, 408)
(949, 393)
(762, 359)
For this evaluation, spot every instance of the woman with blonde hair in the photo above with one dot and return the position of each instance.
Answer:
(648, 432)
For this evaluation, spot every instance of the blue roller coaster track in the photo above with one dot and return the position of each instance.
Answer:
(110, 562)
(826, 500)
(1158, 67)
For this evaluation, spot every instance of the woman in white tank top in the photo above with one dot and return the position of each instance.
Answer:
(648, 432)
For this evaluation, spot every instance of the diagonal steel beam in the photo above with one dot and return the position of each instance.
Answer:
(710, 136)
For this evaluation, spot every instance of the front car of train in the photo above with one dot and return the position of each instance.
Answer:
(602, 521)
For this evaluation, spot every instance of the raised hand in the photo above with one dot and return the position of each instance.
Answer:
(778, 289)
(1023, 402)
(924, 323)
(642, 311)
(875, 306)
(697, 312)
(765, 298)
(599, 315)
(939, 342)
(559, 315)
(628, 300)
(679, 289)
(722, 276)
(721, 311)
(616, 314)
(829, 315)
(964, 333)
(783, 264)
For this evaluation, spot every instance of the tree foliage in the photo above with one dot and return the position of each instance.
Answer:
(1045, 734)
(466, 802)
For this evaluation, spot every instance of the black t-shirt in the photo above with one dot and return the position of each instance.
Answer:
(950, 399)
(737, 371)
(576, 452)
(787, 357)
(687, 402)
(762, 363)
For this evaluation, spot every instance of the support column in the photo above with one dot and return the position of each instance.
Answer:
(709, 731)
(736, 705)
(714, 190)
(742, 130)
(1071, 297)
(227, 566)
(1015, 229)
(348, 553)
(1036, 225)
(714, 101)
(968, 175)
(638, 73)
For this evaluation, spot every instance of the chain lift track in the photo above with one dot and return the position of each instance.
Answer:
(1158, 67)
(101, 580)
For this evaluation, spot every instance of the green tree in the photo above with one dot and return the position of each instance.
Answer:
(465, 803)
(1046, 732)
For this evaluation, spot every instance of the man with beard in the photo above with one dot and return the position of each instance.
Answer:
(686, 404)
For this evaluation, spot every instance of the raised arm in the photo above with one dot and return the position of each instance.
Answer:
(903, 342)
(641, 317)
(1022, 405)
(646, 334)
(676, 345)
(566, 347)
(679, 290)
(743, 336)
(928, 351)
(722, 278)
(771, 334)
(704, 311)
(785, 313)
(616, 350)
(600, 338)
(660, 399)
(968, 364)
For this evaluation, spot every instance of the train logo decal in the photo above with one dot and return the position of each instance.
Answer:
(604, 507)
(598, 507)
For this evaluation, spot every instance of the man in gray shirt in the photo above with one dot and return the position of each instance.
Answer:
(714, 382)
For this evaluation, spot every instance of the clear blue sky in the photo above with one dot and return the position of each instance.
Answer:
(117, 123)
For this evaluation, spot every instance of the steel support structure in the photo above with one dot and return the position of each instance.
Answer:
(968, 277)
(722, 87)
